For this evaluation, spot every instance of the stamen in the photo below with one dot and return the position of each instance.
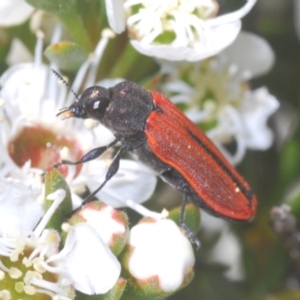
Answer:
(30, 275)
(3, 267)
(56, 36)
(14, 255)
(7, 243)
(27, 262)
(145, 211)
(43, 291)
(57, 270)
(58, 196)
(38, 49)
(5, 295)
(48, 286)
(15, 273)
(19, 286)
(38, 265)
(90, 66)
(33, 254)
(98, 53)
(29, 290)
(53, 90)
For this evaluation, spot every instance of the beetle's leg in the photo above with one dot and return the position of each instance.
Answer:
(193, 239)
(112, 170)
(94, 153)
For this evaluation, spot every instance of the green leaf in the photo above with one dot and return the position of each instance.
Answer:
(53, 182)
(67, 55)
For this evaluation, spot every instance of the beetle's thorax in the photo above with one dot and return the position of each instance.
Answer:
(128, 110)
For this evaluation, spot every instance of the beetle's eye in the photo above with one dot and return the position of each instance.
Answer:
(95, 101)
(96, 107)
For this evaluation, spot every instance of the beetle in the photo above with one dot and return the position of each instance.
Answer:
(150, 126)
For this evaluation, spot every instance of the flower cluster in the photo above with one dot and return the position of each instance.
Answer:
(36, 261)
(198, 49)
(176, 30)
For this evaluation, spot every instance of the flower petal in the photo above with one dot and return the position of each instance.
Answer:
(18, 53)
(133, 181)
(19, 209)
(257, 108)
(262, 56)
(89, 261)
(105, 220)
(116, 15)
(24, 86)
(214, 40)
(14, 12)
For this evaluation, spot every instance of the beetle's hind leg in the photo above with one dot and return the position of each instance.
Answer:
(193, 239)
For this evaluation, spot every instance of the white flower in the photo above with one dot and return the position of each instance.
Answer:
(159, 249)
(23, 251)
(31, 253)
(89, 261)
(229, 110)
(176, 30)
(14, 12)
(33, 138)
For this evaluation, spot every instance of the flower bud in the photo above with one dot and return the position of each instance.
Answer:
(110, 224)
(158, 257)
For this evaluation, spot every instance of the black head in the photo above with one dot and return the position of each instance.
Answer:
(91, 104)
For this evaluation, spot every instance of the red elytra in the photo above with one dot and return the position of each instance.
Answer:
(181, 144)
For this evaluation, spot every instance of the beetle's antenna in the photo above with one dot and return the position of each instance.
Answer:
(65, 83)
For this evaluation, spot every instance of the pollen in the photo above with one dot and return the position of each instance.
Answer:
(19, 286)
(2, 275)
(5, 295)
(30, 290)
(28, 275)
(15, 273)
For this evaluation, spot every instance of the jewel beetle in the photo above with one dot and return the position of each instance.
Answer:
(150, 126)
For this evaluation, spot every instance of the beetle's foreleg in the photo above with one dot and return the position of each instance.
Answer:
(93, 154)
